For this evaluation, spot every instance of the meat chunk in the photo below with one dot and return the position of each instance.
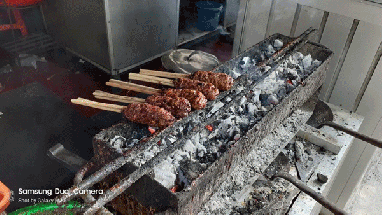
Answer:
(177, 106)
(221, 81)
(197, 99)
(208, 89)
(149, 115)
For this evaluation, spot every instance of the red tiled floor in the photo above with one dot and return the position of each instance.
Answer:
(83, 81)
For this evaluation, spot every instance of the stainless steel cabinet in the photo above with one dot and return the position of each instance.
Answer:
(115, 35)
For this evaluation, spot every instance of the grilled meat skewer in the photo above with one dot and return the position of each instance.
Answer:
(208, 89)
(144, 113)
(177, 106)
(221, 81)
(197, 99)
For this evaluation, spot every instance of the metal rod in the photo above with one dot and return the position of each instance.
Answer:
(270, 18)
(369, 75)
(372, 141)
(91, 180)
(280, 53)
(322, 26)
(341, 60)
(315, 195)
(121, 186)
(88, 198)
(295, 20)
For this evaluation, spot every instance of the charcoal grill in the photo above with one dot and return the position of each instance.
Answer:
(129, 145)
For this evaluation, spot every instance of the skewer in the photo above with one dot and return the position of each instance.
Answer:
(139, 113)
(152, 79)
(221, 81)
(197, 99)
(177, 106)
(208, 89)
(102, 106)
(133, 87)
(163, 74)
(117, 98)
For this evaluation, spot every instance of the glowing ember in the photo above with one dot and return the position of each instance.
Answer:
(152, 130)
(209, 127)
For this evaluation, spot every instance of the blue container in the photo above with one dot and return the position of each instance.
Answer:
(208, 15)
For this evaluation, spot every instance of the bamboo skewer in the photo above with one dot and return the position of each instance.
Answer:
(133, 87)
(163, 74)
(102, 106)
(152, 79)
(112, 97)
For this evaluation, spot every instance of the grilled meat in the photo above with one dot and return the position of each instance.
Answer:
(208, 89)
(177, 106)
(197, 99)
(149, 115)
(221, 81)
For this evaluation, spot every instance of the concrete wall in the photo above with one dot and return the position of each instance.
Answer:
(278, 16)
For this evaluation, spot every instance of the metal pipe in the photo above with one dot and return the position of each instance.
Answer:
(341, 60)
(370, 73)
(117, 189)
(295, 20)
(125, 183)
(372, 141)
(315, 195)
(280, 53)
(270, 18)
(91, 180)
(322, 26)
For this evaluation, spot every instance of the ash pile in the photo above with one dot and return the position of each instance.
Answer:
(196, 153)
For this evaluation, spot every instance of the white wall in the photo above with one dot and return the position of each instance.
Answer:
(356, 65)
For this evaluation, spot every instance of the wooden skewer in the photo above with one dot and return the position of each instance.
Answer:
(134, 87)
(163, 74)
(102, 106)
(151, 79)
(112, 97)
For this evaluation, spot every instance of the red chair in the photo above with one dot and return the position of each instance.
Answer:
(14, 6)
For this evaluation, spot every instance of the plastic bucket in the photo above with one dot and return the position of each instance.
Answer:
(208, 15)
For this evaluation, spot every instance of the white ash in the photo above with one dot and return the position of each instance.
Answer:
(307, 61)
(165, 173)
(270, 50)
(226, 198)
(278, 44)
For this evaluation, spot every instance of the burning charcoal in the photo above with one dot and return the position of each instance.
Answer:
(272, 99)
(245, 63)
(291, 74)
(251, 108)
(278, 44)
(234, 73)
(165, 174)
(316, 63)
(228, 99)
(297, 57)
(307, 61)
(322, 178)
(216, 106)
(191, 169)
(181, 180)
(243, 100)
(264, 99)
(270, 51)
